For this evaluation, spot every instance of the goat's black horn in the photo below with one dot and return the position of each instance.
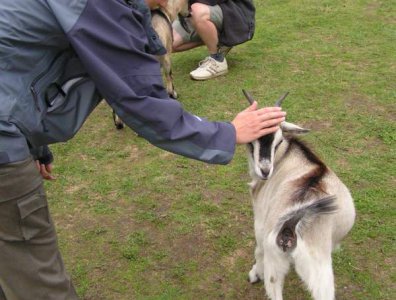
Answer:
(278, 103)
(248, 96)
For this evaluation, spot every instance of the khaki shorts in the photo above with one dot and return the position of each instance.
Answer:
(216, 16)
(31, 266)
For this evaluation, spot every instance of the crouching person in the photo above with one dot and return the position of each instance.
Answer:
(217, 24)
(58, 59)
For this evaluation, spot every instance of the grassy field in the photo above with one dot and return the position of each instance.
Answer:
(135, 222)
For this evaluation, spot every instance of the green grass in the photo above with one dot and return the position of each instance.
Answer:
(135, 222)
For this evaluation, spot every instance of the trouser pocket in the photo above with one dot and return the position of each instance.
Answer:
(23, 205)
(10, 229)
(25, 218)
(35, 220)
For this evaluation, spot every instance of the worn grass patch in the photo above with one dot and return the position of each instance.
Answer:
(135, 222)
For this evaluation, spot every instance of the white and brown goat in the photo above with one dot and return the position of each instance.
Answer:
(302, 211)
(161, 20)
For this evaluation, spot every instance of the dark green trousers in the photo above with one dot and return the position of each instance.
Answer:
(31, 267)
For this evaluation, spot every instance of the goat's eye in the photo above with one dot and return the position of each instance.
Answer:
(276, 147)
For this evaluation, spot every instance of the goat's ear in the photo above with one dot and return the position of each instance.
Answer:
(292, 128)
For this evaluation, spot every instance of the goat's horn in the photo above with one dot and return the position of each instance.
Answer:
(278, 103)
(248, 96)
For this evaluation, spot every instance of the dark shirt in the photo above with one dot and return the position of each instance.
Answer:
(207, 2)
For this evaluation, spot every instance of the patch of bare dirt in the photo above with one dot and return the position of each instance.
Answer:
(219, 196)
(362, 104)
(318, 125)
(372, 8)
(343, 163)
(71, 189)
(190, 246)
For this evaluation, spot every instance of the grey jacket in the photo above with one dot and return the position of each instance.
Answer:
(59, 58)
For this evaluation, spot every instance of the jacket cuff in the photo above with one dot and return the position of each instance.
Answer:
(43, 154)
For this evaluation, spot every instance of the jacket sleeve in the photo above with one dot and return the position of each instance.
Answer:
(110, 40)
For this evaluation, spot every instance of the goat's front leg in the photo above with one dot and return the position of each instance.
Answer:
(166, 65)
(256, 274)
(119, 124)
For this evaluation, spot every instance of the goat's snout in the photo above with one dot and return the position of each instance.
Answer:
(263, 169)
(264, 173)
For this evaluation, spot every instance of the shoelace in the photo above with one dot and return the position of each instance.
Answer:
(209, 64)
(205, 62)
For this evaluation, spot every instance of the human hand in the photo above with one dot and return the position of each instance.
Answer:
(45, 170)
(252, 123)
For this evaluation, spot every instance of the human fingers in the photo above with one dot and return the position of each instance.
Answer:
(38, 165)
(251, 107)
(271, 115)
(48, 168)
(265, 123)
(267, 130)
(45, 171)
(265, 110)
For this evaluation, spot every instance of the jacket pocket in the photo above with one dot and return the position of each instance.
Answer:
(66, 96)
(67, 110)
(41, 82)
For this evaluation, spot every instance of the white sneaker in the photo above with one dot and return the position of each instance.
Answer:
(209, 68)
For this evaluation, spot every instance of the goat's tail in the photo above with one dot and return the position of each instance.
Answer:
(299, 218)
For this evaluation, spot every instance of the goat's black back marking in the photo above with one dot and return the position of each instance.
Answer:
(265, 145)
(311, 183)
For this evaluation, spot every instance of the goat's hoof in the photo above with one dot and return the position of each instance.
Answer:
(254, 281)
(119, 126)
(173, 95)
(253, 276)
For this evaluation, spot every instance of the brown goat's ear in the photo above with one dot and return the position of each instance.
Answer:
(293, 129)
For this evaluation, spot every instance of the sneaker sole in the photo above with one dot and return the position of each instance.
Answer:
(210, 77)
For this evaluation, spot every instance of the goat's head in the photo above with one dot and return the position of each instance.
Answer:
(175, 8)
(184, 8)
(261, 152)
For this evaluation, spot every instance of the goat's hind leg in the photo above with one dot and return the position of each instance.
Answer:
(276, 266)
(317, 273)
